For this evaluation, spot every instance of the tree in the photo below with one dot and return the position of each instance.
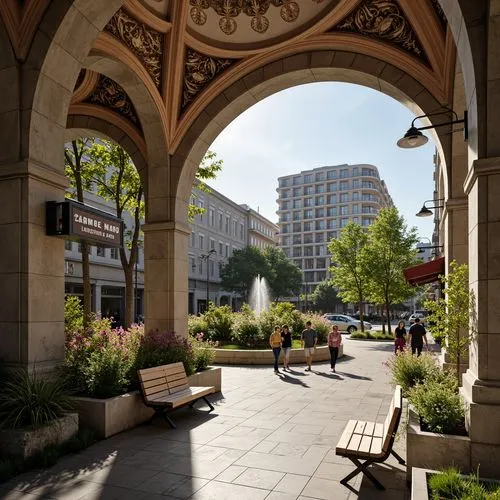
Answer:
(111, 170)
(325, 296)
(391, 249)
(450, 315)
(284, 277)
(74, 166)
(242, 268)
(207, 170)
(351, 272)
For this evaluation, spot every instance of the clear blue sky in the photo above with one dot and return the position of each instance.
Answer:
(318, 124)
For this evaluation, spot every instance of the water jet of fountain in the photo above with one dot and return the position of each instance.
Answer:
(259, 297)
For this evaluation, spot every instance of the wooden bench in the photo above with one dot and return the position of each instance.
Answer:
(166, 388)
(365, 443)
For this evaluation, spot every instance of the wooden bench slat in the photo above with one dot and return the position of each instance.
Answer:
(151, 376)
(369, 428)
(365, 445)
(157, 396)
(354, 442)
(153, 382)
(376, 447)
(155, 390)
(183, 397)
(346, 436)
(178, 382)
(360, 427)
(379, 430)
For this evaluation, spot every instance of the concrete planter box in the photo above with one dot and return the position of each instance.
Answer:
(434, 451)
(26, 442)
(419, 478)
(265, 356)
(113, 415)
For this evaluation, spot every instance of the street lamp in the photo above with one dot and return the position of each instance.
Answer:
(425, 211)
(414, 137)
(206, 258)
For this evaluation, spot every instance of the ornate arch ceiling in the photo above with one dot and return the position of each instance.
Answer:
(186, 52)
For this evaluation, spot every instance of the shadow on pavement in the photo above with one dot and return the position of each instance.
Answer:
(354, 376)
(291, 380)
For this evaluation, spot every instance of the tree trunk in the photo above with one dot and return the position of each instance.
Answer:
(361, 320)
(87, 295)
(388, 314)
(129, 295)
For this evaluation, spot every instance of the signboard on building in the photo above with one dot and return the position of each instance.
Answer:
(75, 221)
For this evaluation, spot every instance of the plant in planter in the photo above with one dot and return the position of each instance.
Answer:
(451, 317)
(450, 484)
(408, 370)
(204, 353)
(439, 405)
(35, 412)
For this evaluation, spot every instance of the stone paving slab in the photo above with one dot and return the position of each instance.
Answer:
(270, 437)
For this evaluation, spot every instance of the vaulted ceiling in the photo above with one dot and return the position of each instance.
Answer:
(186, 52)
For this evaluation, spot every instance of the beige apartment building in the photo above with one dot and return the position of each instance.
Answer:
(314, 205)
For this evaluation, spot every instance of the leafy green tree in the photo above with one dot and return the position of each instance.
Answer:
(284, 276)
(241, 269)
(112, 172)
(325, 296)
(351, 272)
(452, 316)
(391, 249)
(208, 169)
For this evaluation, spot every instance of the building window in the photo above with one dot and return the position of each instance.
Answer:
(331, 199)
(320, 188)
(344, 186)
(297, 227)
(356, 184)
(344, 173)
(100, 251)
(344, 198)
(308, 190)
(226, 227)
(344, 210)
(114, 253)
(320, 176)
(308, 178)
(355, 209)
(297, 180)
(355, 171)
(344, 222)
(331, 186)
(212, 267)
(332, 224)
(297, 192)
(320, 237)
(355, 196)
(242, 231)
(201, 240)
(331, 174)
(308, 214)
(296, 216)
(297, 252)
(320, 200)
(320, 225)
(212, 244)
(331, 212)
(212, 217)
(331, 235)
(308, 202)
(220, 221)
(297, 203)
(200, 267)
(308, 226)
(227, 249)
(308, 263)
(320, 212)
(68, 245)
(321, 263)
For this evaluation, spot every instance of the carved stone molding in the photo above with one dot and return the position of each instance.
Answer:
(109, 94)
(440, 13)
(143, 41)
(384, 20)
(199, 71)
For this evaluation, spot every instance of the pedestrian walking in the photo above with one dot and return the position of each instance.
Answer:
(286, 345)
(416, 337)
(309, 338)
(399, 337)
(334, 341)
(275, 343)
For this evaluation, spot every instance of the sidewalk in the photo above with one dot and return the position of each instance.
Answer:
(270, 437)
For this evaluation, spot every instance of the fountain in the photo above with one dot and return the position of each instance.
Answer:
(259, 296)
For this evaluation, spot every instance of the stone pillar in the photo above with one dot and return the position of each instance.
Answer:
(166, 276)
(456, 238)
(31, 268)
(481, 382)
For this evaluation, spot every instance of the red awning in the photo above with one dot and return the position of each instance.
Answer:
(425, 273)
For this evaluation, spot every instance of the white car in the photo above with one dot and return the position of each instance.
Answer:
(346, 323)
(421, 314)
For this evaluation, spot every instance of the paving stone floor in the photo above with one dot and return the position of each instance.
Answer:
(270, 437)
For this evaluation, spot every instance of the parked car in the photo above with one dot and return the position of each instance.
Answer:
(346, 323)
(421, 314)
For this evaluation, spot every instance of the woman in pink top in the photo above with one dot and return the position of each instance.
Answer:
(334, 341)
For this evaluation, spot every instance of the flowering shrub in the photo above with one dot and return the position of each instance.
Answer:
(219, 322)
(204, 353)
(161, 348)
(196, 324)
(100, 361)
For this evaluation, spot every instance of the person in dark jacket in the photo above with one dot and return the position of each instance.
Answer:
(417, 337)
(399, 337)
(286, 345)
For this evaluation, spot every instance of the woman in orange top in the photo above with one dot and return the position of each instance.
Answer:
(275, 343)
(334, 341)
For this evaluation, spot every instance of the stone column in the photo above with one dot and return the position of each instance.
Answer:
(31, 268)
(456, 240)
(166, 276)
(481, 382)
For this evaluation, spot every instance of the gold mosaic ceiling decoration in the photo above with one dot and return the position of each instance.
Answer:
(228, 10)
(199, 71)
(383, 19)
(109, 94)
(144, 42)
